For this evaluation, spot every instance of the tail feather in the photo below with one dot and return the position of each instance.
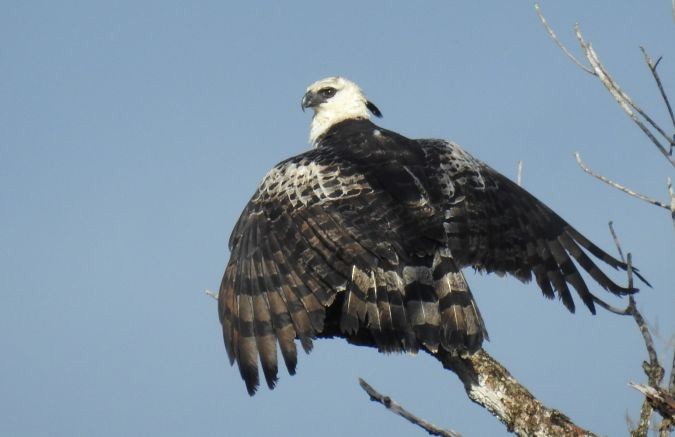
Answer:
(402, 336)
(462, 326)
(422, 305)
(426, 302)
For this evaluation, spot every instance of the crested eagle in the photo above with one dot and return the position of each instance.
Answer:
(365, 236)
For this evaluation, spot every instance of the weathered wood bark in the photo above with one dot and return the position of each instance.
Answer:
(491, 386)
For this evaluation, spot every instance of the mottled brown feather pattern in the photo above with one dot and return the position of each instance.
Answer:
(365, 237)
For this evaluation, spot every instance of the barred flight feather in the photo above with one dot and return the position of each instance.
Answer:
(364, 237)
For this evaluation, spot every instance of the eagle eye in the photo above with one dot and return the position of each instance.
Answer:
(327, 92)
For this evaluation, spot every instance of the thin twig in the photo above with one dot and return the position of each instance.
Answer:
(671, 193)
(396, 408)
(667, 427)
(616, 240)
(213, 294)
(652, 369)
(610, 308)
(652, 67)
(625, 311)
(629, 107)
(560, 44)
(618, 186)
(632, 308)
(671, 384)
(629, 270)
(519, 177)
(621, 97)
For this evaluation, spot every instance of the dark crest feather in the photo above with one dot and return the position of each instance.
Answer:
(372, 108)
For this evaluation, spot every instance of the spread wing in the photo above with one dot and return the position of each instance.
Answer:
(496, 226)
(313, 227)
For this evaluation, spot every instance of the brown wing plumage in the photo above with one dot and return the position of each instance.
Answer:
(365, 237)
(315, 231)
(495, 225)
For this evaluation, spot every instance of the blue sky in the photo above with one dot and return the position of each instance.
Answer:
(133, 134)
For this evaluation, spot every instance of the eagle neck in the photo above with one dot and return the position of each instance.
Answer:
(344, 131)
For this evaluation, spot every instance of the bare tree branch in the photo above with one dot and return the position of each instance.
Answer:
(652, 67)
(618, 186)
(671, 384)
(653, 368)
(560, 44)
(610, 308)
(621, 97)
(491, 386)
(616, 239)
(626, 103)
(660, 398)
(485, 380)
(671, 193)
(396, 408)
(519, 176)
(669, 424)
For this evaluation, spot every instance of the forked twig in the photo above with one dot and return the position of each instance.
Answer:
(653, 368)
(630, 108)
(622, 98)
(560, 44)
(652, 67)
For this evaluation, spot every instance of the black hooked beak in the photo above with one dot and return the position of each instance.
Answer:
(310, 100)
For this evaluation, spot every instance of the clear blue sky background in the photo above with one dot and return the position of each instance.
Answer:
(133, 133)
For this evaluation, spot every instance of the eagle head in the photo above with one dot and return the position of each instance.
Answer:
(335, 99)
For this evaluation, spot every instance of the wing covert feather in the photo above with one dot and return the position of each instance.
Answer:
(497, 226)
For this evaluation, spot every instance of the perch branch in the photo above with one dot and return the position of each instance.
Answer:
(396, 408)
(491, 386)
